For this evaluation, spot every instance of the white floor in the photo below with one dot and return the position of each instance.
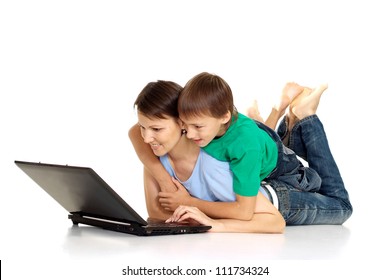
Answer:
(38, 239)
(49, 248)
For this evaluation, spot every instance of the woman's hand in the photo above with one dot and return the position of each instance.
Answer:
(190, 213)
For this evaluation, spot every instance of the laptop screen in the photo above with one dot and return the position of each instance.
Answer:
(80, 190)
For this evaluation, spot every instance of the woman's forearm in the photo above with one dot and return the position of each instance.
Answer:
(155, 211)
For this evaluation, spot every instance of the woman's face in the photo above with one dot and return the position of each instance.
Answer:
(161, 134)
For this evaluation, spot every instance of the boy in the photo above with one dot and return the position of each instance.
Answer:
(206, 107)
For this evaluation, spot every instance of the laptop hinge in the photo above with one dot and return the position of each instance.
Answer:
(133, 228)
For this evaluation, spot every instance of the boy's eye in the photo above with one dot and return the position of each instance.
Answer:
(156, 129)
(198, 126)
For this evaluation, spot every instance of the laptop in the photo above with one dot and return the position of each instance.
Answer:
(91, 201)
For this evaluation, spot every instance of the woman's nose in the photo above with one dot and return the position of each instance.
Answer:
(148, 136)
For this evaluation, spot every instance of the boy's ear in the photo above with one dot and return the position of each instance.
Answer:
(226, 118)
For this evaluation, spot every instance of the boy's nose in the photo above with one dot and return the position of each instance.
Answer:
(190, 133)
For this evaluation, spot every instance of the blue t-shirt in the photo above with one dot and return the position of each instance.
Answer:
(210, 180)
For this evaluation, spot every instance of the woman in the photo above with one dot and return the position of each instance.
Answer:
(208, 181)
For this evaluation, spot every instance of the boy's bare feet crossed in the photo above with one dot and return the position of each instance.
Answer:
(305, 104)
(290, 91)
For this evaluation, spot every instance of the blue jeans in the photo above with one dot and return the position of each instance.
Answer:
(308, 195)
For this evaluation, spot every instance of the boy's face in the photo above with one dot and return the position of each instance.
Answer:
(161, 134)
(203, 129)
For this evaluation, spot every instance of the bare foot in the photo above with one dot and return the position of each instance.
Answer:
(289, 93)
(253, 112)
(306, 104)
(291, 118)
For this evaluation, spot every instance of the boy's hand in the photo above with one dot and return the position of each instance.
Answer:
(171, 200)
(167, 186)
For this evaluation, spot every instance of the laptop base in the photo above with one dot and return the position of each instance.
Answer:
(136, 229)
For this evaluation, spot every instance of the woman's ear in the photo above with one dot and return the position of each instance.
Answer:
(181, 123)
(182, 126)
(226, 118)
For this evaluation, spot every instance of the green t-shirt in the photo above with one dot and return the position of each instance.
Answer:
(252, 154)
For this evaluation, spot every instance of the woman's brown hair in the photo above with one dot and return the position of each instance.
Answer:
(159, 99)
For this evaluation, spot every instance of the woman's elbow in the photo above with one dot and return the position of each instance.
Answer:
(280, 226)
(270, 223)
(244, 216)
(133, 132)
(278, 222)
(157, 213)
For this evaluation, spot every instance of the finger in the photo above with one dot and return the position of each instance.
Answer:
(177, 183)
(192, 217)
(179, 211)
(198, 217)
(167, 207)
(184, 217)
(165, 201)
(164, 204)
(164, 194)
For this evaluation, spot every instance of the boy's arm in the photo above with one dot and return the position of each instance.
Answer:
(260, 223)
(241, 209)
(266, 219)
(151, 163)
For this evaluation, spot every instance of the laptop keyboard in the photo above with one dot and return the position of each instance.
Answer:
(162, 224)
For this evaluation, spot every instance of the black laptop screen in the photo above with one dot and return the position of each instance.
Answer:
(80, 190)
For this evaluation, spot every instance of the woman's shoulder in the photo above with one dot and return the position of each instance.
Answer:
(207, 159)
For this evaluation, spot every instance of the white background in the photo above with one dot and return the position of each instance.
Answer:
(71, 70)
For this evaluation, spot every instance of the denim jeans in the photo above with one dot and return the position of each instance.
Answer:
(308, 195)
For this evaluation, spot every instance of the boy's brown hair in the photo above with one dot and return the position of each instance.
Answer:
(206, 94)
